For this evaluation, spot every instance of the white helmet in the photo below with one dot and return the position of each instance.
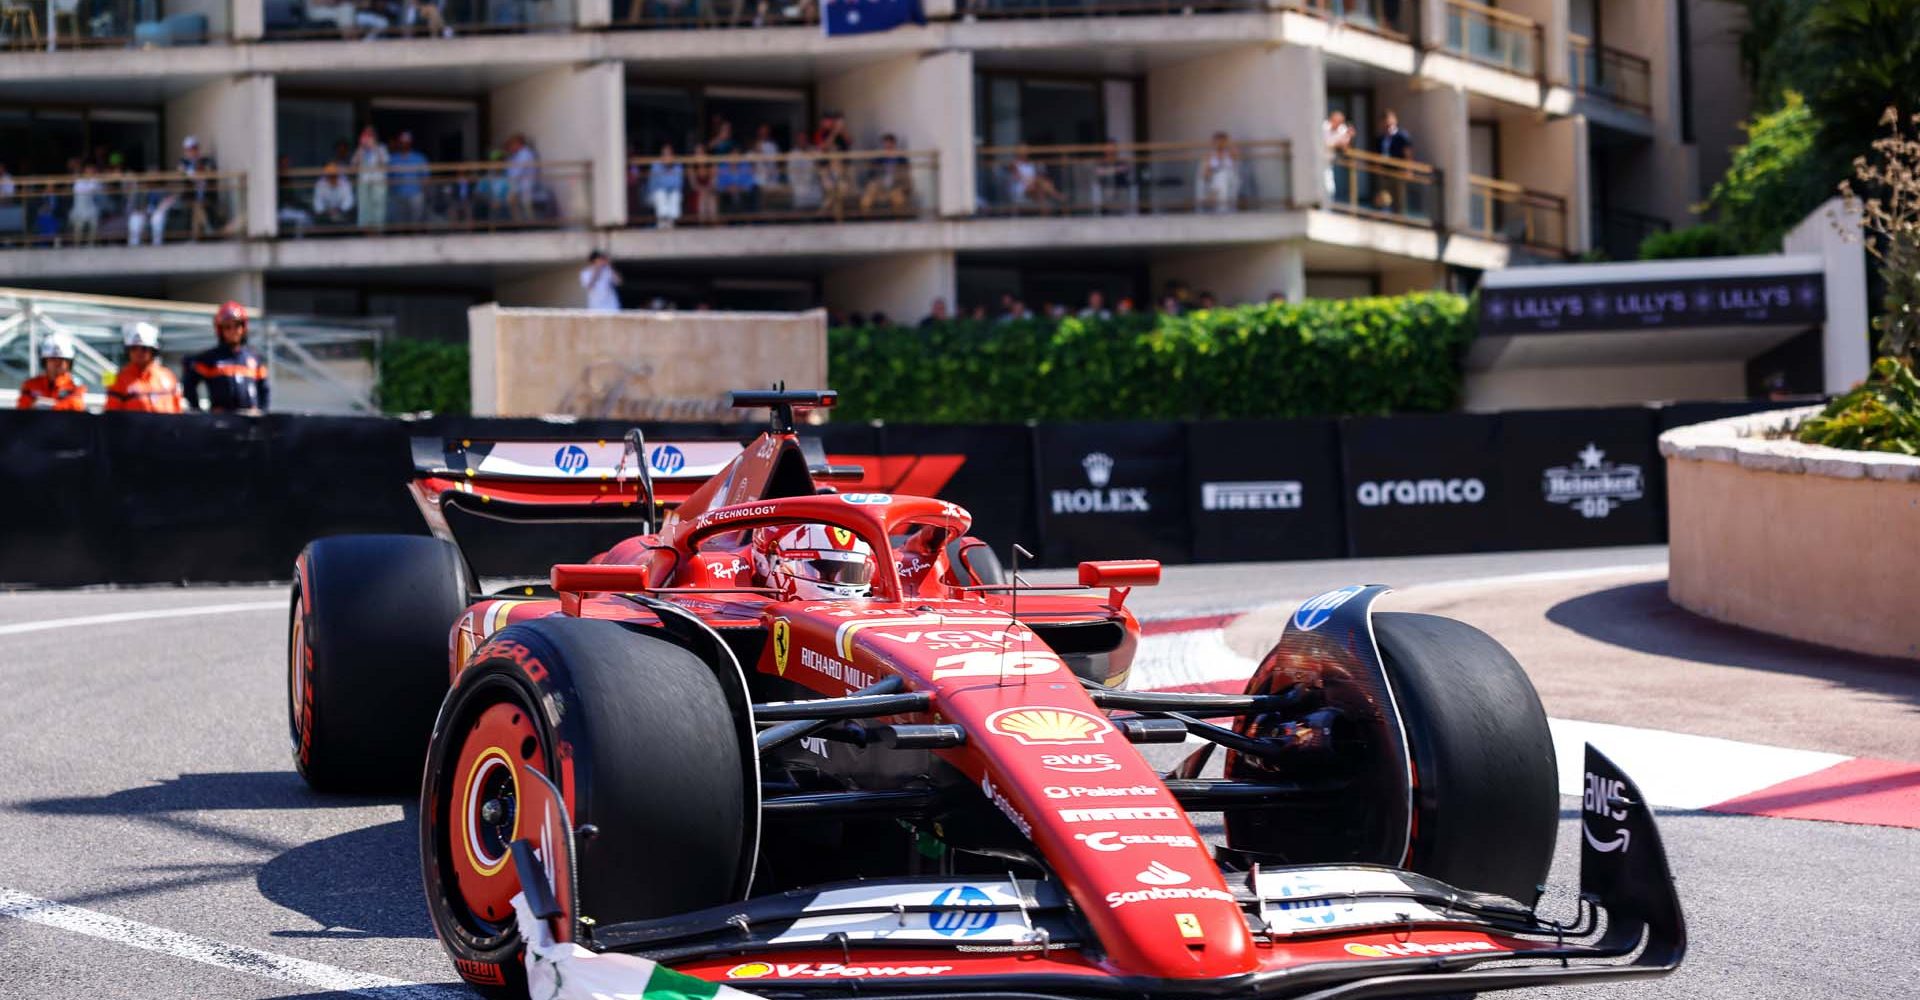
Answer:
(57, 345)
(813, 562)
(142, 334)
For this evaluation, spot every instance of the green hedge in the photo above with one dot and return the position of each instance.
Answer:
(418, 375)
(1319, 357)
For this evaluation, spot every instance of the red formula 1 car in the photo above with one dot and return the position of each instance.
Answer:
(798, 742)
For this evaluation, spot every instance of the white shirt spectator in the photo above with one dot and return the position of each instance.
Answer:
(332, 194)
(600, 281)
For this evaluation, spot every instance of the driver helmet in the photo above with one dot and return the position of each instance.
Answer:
(140, 335)
(58, 345)
(813, 562)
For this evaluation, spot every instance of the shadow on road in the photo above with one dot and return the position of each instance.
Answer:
(1639, 617)
(206, 791)
(360, 884)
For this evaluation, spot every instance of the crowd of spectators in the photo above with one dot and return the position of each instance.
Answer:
(372, 185)
(1176, 299)
(104, 198)
(723, 178)
(1117, 180)
(1347, 183)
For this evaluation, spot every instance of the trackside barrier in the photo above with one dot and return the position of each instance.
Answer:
(141, 498)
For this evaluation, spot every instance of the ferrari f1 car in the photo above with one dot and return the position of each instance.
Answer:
(680, 772)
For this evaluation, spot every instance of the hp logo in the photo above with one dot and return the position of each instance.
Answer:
(668, 459)
(1315, 612)
(962, 923)
(571, 459)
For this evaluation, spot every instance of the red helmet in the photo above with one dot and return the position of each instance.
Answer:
(231, 312)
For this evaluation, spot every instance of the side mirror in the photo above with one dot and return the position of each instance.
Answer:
(1120, 573)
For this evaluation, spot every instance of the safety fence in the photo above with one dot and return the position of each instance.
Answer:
(1493, 37)
(1394, 19)
(1134, 178)
(1502, 210)
(371, 20)
(1384, 187)
(143, 498)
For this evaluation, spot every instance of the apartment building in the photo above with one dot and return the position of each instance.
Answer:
(1042, 148)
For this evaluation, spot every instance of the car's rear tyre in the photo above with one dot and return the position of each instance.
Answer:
(1486, 796)
(981, 566)
(367, 657)
(651, 760)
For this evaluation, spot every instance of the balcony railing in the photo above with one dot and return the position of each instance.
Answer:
(1142, 178)
(1097, 8)
(1621, 233)
(108, 24)
(440, 197)
(799, 186)
(99, 209)
(1383, 187)
(292, 20)
(1617, 77)
(1392, 18)
(1493, 37)
(713, 13)
(1500, 210)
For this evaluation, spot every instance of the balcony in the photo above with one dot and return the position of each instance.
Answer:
(1390, 18)
(1381, 187)
(990, 9)
(763, 189)
(294, 20)
(109, 24)
(438, 198)
(658, 14)
(1141, 178)
(1493, 37)
(1621, 232)
(128, 209)
(1509, 213)
(1607, 74)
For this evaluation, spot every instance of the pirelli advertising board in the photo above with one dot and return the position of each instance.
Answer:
(1265, 489)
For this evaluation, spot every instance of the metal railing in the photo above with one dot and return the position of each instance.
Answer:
(1392, 18)
(1493, 37)
(74, 24)
(106, 208)
(1617, 77)
(986, 9)
(1140, 178)
(657, 14)
(288, 20)
(1621, 232)
(318, 365)
(1383, 187)
(800, 186)
(437, 197)
(1504, 211)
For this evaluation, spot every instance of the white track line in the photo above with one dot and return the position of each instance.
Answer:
(206, 951)
(21, 628)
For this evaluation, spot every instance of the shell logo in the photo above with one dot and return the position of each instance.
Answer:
(751, 970)
(1037, 726)
(1362, 950)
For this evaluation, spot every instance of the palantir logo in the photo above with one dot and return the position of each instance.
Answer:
(970, 917)
(667, 459)
(1099, 467)
(1594, 486)
(571, 459)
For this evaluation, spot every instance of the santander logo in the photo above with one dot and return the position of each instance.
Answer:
(1160, 873)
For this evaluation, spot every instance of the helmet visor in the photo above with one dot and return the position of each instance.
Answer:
(840, 569)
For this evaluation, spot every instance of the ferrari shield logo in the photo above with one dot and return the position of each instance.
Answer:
(842, 538)
(782, 645)
(1189, 925)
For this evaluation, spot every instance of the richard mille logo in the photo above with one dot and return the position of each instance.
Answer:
(1593, 486)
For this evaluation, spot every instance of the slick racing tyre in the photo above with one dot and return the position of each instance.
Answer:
(638, 735)
(367, 657)
(1487, 795)
(981, 565)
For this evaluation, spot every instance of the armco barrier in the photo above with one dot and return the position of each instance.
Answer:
(142, 498)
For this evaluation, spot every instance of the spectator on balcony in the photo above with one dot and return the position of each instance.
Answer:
(602, 283)
(1096, 307)
(523, 177)
(720, 139)
(1338, 136)
(332, 196)
(1124, 307)
(702, 177)
(196, 166)
(409, 171)
(1028, 183)
(372, 17)
(1395, 143)
(369, 164)
(455, 195)
(1217, 182)
(936, 313)
(831, 136)
(666, 179)
(739, 193)
(1205, 301)
(1113, 182)
(889, 179)
(417, 12)
(803, 177)
(766, 171)
(7, 187)
(84, 217)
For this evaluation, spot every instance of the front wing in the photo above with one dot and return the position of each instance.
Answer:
(1322, 931)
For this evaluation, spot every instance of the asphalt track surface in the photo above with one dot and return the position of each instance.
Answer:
(145, 784)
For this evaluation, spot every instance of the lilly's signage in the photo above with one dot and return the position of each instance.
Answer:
(1791, 299)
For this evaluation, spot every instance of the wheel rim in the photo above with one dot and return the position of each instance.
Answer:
(483, 811)
(299, 681)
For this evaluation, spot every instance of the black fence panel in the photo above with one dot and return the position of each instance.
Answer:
(1417, 485)
(1265, 490)
(341, 475)
(53, 481)
(1577, 478)
(192, 498)
(986, 468)
(1112, 491)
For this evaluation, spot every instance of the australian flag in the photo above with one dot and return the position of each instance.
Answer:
(859, 17)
